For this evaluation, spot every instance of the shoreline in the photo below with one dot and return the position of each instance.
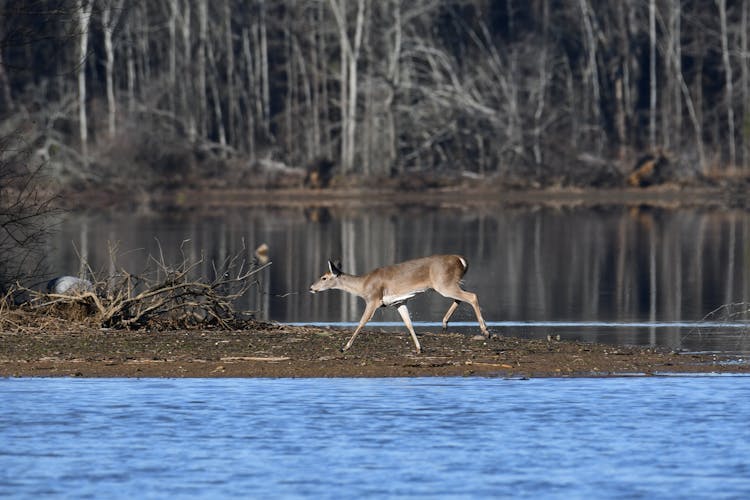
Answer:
(197, 199)
(273, 350)
(280, 351)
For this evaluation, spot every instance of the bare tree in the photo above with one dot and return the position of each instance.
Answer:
(25, 210)
(84, 18)
(262, 70)
(591, 71)
(350, 50)
(675, 55)
(250, 90)
(7, 104)
(745, 79)
(202, 89)
(652, 73)
(231, 85)
(729, 97)
(110, 13)
(385, 87)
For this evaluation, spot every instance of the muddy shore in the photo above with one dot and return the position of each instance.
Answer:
(462, 195)
(273, 350)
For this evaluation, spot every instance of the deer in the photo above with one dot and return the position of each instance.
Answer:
(394, 285)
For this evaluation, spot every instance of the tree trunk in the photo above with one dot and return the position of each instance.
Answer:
(265, 84)
(745, 78)
(173, 10)
(315, 84)
(350, 54)
(6, 106)
(188, 84)
(291, 84)
(322, 50)
(108, 23)
(677, 58)
(652, 73)
(353, 82)
(394, 81)
(542, 91)
(130, 64)
(231, 91)
(369, 132)
(144, 44)
(84, 18)
(249, 114)
(592, 71)
(694, 117)
(339, 11)
(305, 85)
(214, 89)
(202, 86)
(728, 84)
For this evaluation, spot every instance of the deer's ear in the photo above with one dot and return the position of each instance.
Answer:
(335, 267)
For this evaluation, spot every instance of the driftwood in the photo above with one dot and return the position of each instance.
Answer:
(162, 295)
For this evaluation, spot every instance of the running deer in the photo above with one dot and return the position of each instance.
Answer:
(394, 285)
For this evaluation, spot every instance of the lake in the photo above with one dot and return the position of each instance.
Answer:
(618, 274)
(666, 437)
(629, 275)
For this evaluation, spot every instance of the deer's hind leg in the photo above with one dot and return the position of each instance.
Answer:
(448, 315)
(459, 295)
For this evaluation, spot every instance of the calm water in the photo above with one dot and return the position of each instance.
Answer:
(647, 274)
(548, 438)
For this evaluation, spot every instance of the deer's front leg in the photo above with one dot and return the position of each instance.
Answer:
(366, 316)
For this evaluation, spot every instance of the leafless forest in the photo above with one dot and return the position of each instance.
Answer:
(539, 91)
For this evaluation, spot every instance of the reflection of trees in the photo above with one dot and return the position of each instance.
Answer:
(527, 264)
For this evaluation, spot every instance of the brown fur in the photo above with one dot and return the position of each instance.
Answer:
(394, 285)
(650, 169)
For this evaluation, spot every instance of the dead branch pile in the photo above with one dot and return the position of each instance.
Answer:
(162, 296)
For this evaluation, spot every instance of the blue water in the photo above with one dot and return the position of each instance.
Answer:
(666, 437)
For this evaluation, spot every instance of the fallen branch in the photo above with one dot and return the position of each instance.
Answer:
(163, 295)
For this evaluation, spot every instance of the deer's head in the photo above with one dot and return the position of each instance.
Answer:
(329, 280)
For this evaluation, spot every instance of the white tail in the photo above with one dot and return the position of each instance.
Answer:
(394, 285)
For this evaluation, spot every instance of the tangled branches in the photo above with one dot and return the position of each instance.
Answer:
(728, 324)
(26, 212)
(163, 295)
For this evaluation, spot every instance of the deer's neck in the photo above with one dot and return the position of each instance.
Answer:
(352, 284)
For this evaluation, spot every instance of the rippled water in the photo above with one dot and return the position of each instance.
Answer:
(552, 438)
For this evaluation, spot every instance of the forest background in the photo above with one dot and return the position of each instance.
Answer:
(119, 94)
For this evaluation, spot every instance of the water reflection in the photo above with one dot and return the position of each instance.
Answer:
(620, 264)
